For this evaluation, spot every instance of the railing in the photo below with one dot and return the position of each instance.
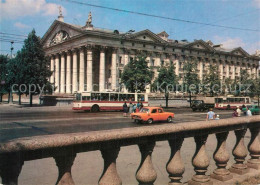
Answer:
(64, 147)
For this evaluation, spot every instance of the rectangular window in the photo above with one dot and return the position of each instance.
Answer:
(120, 60)
(152, 62)
(131, 59)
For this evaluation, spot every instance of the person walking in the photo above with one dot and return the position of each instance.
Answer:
(125, 109)
(134, 107)
(130, 108)
(238, 111)
(210, 115)
(248, 112)
(235, 114)
(141, 105)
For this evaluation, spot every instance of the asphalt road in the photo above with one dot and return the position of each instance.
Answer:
(18, 122)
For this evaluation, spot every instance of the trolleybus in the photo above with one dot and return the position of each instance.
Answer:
(99, 101)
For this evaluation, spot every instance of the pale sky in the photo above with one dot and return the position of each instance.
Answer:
(19, 17)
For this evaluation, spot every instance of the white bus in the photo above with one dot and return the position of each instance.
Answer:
(98, 101)
(231, 102)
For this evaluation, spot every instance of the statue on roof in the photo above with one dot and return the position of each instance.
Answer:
(60, 11)
(89, 21)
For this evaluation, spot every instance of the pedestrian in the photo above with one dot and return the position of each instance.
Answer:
(125, 109)
(217, 117)
(130, 108)
(248, 112)
(134, 107)
(141, 105)
(238, 111)
(244, 109)
(210, 115)
(234, 113)
(138, 105)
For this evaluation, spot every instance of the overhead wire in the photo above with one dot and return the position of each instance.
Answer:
(161, 17)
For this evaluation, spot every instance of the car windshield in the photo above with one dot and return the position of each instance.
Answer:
(144, 110)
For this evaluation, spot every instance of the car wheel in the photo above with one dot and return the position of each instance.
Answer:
(169, 119)
(150, 121)
(95, 108)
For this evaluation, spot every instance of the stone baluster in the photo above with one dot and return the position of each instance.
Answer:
(145, 173)
(175, 166)
(110, 175)
(200, 161)
(64, 164)
(10, 169)
(254, 149)
(240, 153)
(221, 157)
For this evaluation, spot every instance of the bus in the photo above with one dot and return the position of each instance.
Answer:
(231, 102)
(101, 101)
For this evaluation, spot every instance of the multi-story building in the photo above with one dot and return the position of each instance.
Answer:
(85, 58)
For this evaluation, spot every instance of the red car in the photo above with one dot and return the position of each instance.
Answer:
(151, 114)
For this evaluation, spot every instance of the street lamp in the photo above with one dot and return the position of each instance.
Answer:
(12, 49)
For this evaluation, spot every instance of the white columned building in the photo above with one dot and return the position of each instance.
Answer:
(86, 58)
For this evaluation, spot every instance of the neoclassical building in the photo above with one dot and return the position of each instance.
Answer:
(85, 58)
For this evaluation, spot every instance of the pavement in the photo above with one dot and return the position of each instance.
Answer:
(16, 122)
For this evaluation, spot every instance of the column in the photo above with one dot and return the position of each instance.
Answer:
(126, 56)
(177, 66)
(81, 70)
(257, 72)
(221, 69)
(74, 71)
(113, 69)
(201, 69)
(52, 69)
(102, 70)
(62, 73)
(227, 70)
(89, 68)
(57, 73)
(233, 71)
(68, 74)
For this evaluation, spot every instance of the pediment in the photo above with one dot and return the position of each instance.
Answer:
(199, 44)
(59, 32)
(147, 35)
(239, 51)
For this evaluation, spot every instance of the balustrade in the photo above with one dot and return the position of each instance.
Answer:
(13, 154)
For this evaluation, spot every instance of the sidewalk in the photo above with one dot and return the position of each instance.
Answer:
(88, 166)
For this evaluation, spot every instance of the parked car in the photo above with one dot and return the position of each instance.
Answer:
(253, 108)
(152, 114)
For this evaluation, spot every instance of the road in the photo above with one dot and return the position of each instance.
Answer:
(18, 122)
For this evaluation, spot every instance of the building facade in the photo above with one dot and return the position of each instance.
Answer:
(85, 58)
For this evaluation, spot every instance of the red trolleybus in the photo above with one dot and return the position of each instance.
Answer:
(231, 102)
(98, 101)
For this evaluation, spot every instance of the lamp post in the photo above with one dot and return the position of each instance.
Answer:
(12, 49)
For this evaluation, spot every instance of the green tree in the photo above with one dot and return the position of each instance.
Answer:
(33, 61)
(166, 81)
(137, 75)
(212, 80)
(191, 78)
(228, 85)
(256, 88)
(4, 88)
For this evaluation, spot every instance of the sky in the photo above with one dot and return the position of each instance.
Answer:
(19, 17)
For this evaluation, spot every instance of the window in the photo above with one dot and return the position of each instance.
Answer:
(109, 72)
(173, 49)
(154, 111)
(152, 62)
(120, 73)
(131, 59)
(133, 44)
(144, 45)
(120, 60)
(162, 62)
(160, 110)
(144, 37)
(154, 47)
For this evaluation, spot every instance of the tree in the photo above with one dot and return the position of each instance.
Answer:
(212, 80)
(33, 61)
(191, 78)
(256, 89)
(137, 75)
(167, 80)
(4, 88)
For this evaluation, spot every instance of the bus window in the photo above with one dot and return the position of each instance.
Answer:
(78, 96)
(104, 97)
(113, 97)
(122, 97)
(86, 98)
(95, 96)
(218, 100)
(140, 97)
(131, 97)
